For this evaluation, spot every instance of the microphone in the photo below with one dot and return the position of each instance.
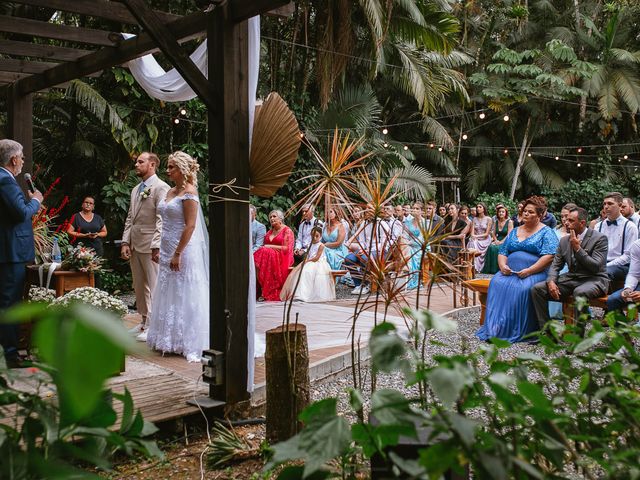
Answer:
(30, 185)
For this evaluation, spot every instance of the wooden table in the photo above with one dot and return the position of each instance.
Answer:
(480, 285)
(62, 281)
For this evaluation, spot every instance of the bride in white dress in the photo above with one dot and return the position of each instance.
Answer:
(180, 314)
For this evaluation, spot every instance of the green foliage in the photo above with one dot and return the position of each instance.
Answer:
(116, 196)
(501, 416)
(115, 282)
(586, 193)
(80, 349)
(265, 205)
(493, 199)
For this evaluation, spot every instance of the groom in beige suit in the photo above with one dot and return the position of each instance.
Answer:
(141, 236)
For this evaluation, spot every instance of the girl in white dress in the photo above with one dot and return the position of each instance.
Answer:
(316, 283)
(180, 314)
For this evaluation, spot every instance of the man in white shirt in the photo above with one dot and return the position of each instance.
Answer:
(630, 293)
(628, 209)
(395, 225)
(620, 232)
(398, 212)
(303, 240)
(366, 245)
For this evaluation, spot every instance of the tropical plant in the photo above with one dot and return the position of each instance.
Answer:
(42, 437)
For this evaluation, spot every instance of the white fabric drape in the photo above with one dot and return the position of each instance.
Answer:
(171, 87)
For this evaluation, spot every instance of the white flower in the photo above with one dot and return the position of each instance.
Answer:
(145, 193)
(94, 297)
(41, 294)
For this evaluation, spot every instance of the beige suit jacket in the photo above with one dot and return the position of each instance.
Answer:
(143, 225)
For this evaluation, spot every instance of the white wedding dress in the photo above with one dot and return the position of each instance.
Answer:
(179, 320)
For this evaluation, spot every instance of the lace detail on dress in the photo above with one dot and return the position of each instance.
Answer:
(179, 320)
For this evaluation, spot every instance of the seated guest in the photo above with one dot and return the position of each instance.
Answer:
(455, 230)
(406, 208)
(502, 227)
(555, 308)
(524, 259)
(473, 212)
(395, 226)
(357, 220)
(430, 212)
(549, 220)
(333, 236)
(630, 293)
(584, 252)
(398, 212)
(601, 218)
(620, 232)
(628, 209)
(316, 284)
(303, 240)
(517, 217)
(480, 235)
(414, 239)
(258, 230)
(442, 211)
(366, 244)
(274, 258)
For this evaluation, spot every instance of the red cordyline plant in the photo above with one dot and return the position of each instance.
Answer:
(41, 223)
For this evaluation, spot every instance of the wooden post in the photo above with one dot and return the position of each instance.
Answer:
(20, 125)
(228, 138)
(287, 369)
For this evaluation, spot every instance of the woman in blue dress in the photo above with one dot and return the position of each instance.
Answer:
(414, 239)
(333, 236)
(524, 259)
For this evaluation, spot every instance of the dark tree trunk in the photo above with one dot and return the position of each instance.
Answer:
(287, 369)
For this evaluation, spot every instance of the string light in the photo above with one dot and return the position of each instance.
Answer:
(626, 157)
(464, 137)
(482, 115)
(439, 149)
(506, 150)
(385, 144)
(432, 145)
(176, 121)
(301, 134)
(557, 158)
(505, 118)
(385, 131)
(579, 149)
(183, 111)
(529, 155)
(406, 147)
(578, 165)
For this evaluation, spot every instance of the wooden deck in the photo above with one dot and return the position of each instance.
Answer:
(161, 385)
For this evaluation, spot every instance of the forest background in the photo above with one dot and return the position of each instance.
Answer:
(513, 97)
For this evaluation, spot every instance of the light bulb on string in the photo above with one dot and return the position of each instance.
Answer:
(529, 155)
(482, 115)
(506, 150)
(557, 158)
(579, 165)
(176, 121)
(183, 111)
(626, 157)
(301, 134)
(385, 131)
(432, 145)
(439, 149)
(406, 147)
(465, 136)
(579, 150)
(505, 118)
(385, 144)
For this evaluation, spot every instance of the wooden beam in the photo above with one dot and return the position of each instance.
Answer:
(26, 26)
(20, 125)
(24, 66)
(50, 52)
(284, 11)
(170, 47)
(185, 28)
(244, 9)
(10, 77)
(96, 8)
(228, 138)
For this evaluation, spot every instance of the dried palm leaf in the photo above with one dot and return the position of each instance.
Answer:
(274, 148)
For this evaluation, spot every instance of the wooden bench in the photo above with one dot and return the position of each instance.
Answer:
(481, 286)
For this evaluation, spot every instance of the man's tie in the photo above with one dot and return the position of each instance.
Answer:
(142, 187)
(307, 222)
(612, 222)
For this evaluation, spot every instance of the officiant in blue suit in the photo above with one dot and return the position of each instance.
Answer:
(16, 240)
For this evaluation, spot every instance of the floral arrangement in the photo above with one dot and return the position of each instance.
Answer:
(94, 297)
(145, 193)
(41, 294)
(83, 259)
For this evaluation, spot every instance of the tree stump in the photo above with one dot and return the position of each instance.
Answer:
(287, 372)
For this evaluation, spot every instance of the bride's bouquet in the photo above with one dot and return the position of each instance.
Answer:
(82, 259)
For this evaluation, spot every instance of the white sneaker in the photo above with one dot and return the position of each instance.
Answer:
(136, 330)
(362, 289)
(142, 337)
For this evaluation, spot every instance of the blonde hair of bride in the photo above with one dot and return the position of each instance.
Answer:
(187, 165)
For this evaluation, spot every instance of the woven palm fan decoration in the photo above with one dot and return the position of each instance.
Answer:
(274, 148)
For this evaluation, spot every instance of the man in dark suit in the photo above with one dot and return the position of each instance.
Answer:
(584, 251)
(16, 240)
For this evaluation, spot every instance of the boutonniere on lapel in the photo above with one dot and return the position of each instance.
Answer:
(145, 193)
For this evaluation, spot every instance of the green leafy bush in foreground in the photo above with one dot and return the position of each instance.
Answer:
(577, 410)
(58, 415)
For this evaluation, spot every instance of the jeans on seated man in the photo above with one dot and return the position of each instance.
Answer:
(620, 232)
(364, 247)
(584, 251)
(619, 299)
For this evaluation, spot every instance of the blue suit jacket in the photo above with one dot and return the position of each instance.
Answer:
(16, 231)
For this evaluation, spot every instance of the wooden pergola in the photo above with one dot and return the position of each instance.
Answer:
(29, 65)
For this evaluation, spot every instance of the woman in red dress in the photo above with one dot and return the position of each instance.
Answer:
(275, 257)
